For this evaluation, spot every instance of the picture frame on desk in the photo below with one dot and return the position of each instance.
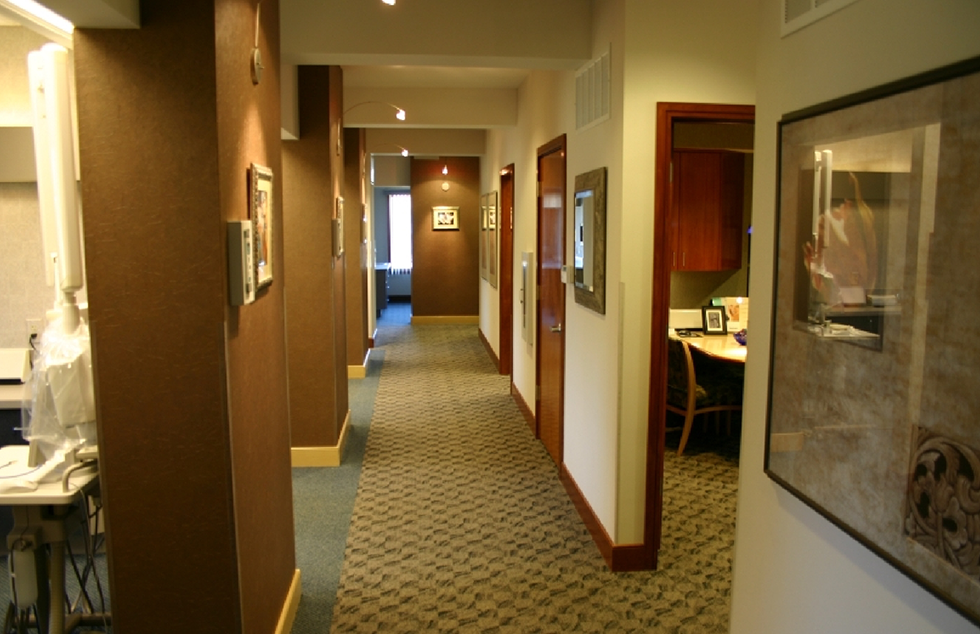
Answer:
(714, 320)
(866, 422)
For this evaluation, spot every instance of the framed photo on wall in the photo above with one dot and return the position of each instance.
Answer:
(445, 218)
(873, 389)
(262, 217)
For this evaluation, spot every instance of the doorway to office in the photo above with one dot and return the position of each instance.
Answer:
(674, 122)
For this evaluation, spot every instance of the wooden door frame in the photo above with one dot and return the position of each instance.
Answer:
(557, 144)
(505, 225)
(668, 113)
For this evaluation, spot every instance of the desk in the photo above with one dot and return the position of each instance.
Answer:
(720, 346)
(45, 517)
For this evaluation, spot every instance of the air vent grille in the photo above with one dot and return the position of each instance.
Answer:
(799, 13)
(592, 93)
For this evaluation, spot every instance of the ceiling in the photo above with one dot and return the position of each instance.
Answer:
(432, 77)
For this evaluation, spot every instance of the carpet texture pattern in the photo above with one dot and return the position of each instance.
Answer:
(460, 523)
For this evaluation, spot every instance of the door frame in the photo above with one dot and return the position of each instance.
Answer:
(505, 227)
(557, 144)
(668, 113)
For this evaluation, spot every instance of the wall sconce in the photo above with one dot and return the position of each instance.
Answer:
(399, 114)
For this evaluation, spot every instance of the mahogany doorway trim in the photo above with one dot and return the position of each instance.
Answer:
(668, 113)
(505, 228)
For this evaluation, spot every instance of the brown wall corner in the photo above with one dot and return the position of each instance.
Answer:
(355, 248)
(312, 177)
(191, 395)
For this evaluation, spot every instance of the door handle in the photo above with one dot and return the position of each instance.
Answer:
(556, 328)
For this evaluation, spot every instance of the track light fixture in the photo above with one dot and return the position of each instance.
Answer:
(399, 113)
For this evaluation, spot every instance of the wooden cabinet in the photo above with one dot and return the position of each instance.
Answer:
(705, 222)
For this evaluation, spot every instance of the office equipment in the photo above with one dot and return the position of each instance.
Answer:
(15, 365)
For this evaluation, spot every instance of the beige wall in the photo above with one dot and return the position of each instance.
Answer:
(793, 570)
(659, 52)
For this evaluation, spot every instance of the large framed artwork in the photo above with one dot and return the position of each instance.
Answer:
(491, 238)
(261, 215)
(874, 391)
(484, 228)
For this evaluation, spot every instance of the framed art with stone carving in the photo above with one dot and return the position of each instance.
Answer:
(874, 377)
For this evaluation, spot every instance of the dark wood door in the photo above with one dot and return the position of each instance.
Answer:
(551, 296)
(505, 229)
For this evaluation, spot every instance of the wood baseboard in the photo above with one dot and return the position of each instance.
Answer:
(322, 456)
(289, 608)
(493, 355)
(525, 409)
(428, 320)
(371, 339)
(619, 557)
(359, 371)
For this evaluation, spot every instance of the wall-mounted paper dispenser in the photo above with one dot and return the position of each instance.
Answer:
(241, 267)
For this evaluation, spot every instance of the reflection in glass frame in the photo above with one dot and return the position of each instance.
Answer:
(875, 343)
(445, 218)
(262, 217)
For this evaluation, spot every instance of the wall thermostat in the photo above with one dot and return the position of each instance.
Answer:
(241, 267)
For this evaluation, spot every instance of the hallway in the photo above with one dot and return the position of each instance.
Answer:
(460, 523)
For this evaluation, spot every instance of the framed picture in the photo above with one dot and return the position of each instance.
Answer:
(713, 320)
(491, 238)
(262, 217)
(875, 355)
(484, 228)
(445, 218)
(338, 228)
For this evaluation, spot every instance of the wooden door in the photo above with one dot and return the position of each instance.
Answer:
(551, 296)
(505, 229)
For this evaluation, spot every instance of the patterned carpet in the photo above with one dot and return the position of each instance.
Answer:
(461, 525)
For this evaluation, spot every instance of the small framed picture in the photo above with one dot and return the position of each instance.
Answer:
(261, 215)
(713, 320)
(444, 218)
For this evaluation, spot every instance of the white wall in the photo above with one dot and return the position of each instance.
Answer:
(793, 570)
(695, 51)
(545, 111)
(592, 344)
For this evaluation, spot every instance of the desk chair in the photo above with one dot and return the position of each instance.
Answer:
(716, 386)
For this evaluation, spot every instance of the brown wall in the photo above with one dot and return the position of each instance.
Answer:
(191, 393)
(446, 265)
(312, 176)
(355, 247)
